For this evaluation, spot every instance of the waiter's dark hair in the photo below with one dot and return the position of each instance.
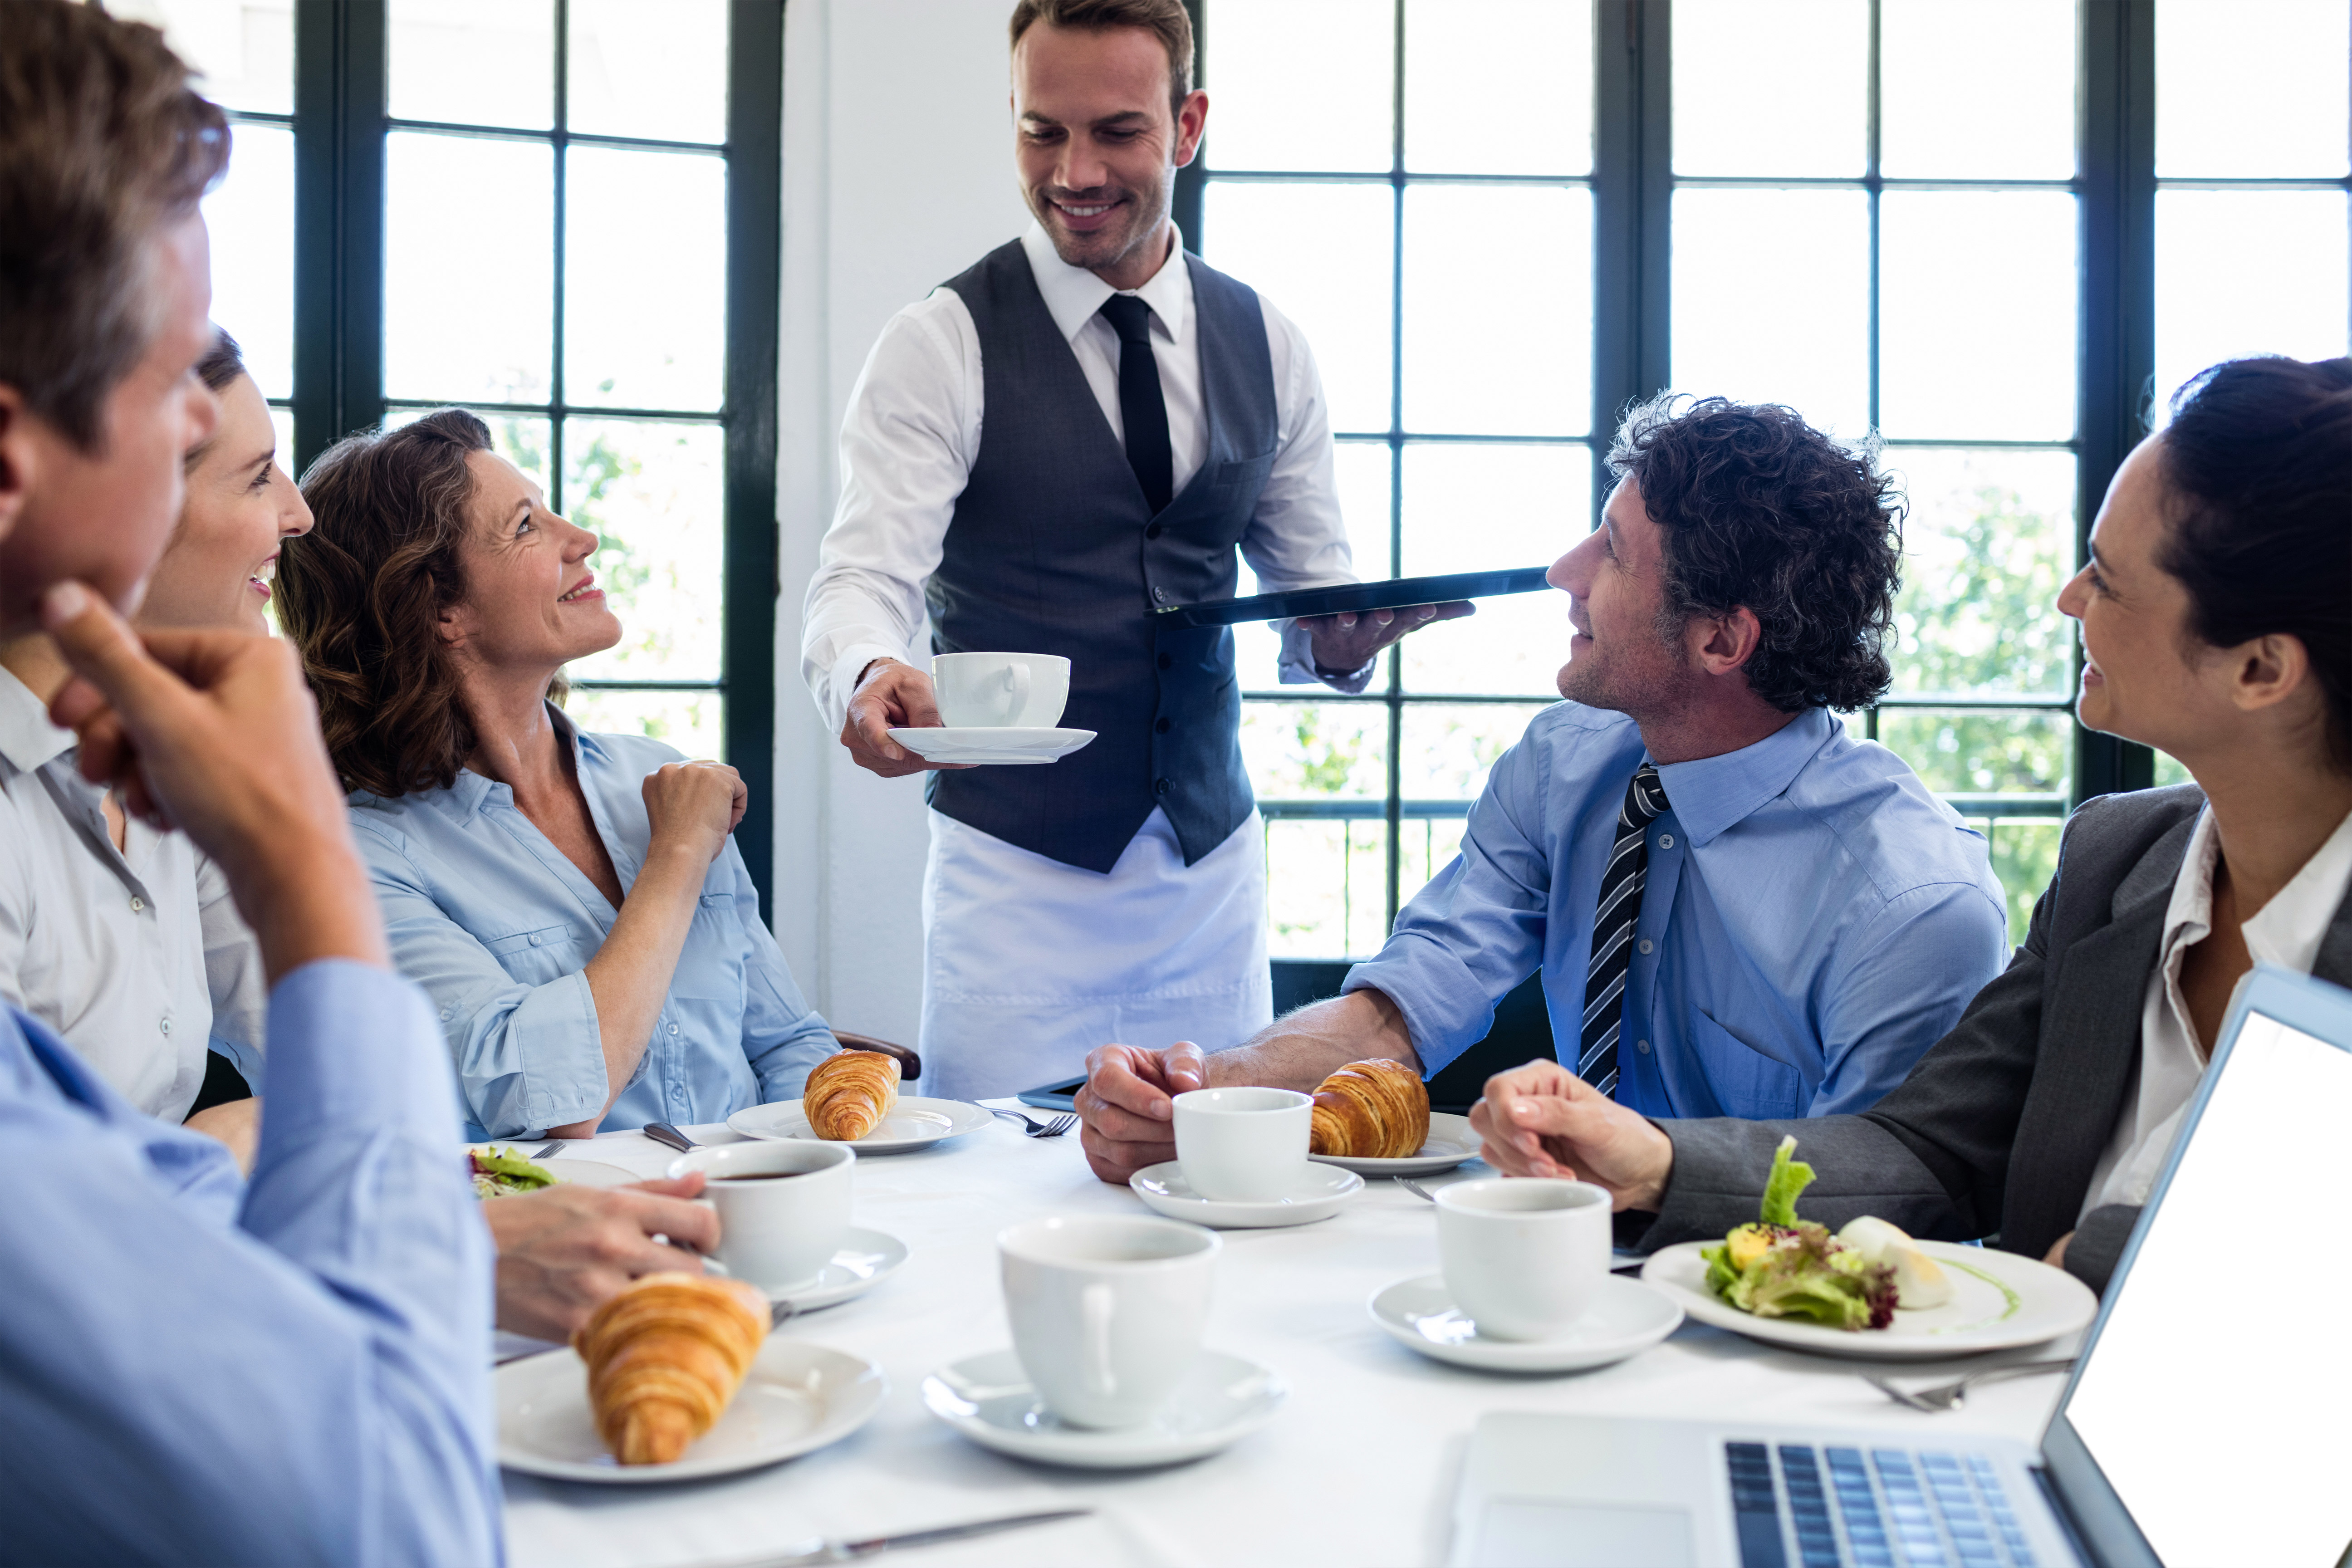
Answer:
(2258, 464)
(1167, 18)
(1756, 506)
(362, 593)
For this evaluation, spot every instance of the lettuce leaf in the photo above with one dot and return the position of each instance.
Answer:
(1788, 1178)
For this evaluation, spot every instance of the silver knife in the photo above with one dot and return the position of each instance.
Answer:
(663, 1132)
(807, 1553)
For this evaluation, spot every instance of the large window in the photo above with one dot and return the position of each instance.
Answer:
(1929, 223)
(560, 214)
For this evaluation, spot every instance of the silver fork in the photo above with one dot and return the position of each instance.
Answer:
(1417, 1189)
(1954, 1394)
(1054, 1128)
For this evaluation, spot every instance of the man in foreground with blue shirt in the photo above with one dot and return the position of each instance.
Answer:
(194, 1369)
(1734, 904)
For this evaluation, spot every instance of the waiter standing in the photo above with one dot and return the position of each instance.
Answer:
(1144, 415)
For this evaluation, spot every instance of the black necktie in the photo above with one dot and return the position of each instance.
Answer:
(1613, 930)
(1142, 410)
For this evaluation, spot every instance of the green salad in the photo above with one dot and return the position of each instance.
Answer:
(1783, 1267)
(503, 1173)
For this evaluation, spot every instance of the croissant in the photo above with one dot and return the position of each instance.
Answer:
(849, 1093)
(1370, 1111)
(665, 1357)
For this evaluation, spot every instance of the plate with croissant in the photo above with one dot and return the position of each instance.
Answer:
(852, 1097)
(674, 1379)
(1373, 1118)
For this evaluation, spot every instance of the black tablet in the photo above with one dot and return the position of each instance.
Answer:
(1395, 593)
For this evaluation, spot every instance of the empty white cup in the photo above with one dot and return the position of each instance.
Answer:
(784, 1207)
(1525, 1258)
(999, 691)
(1107, 1313)
(1243, 1145)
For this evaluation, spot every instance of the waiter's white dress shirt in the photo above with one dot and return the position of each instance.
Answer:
(120, 951)
(1029, 963)
(2287, 931)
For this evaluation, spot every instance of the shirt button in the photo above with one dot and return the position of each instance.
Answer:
(1644, 944)
(137, 905)
(1159, 595)
(1163, 726)
(1642, 1047)
(673, 1028)
(1666, 841)
(1151, 532)
(1166, 661)
(165, 1025)
(1160, 786)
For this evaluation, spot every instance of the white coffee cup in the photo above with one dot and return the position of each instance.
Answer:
(1243, 1145)
(784, 1207)
(1525, 1259)
(998, 691)
(1107, 1313)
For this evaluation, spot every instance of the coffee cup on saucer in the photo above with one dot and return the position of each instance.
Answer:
(1000, 691)
(784, 1207)
(1107, 1313)
(1243, 1145)
(1523, 1259)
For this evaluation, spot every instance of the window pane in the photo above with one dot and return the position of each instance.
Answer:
(473, 62)
(1976, 314)
(2168, 771)
(2251, 91)
(517, 437)
(1771, 300)
(2026, 859)
(654, 493)
(1448, 748)
(1976, 89)
(251, 216)
(644, 301)
(1340, 289)
(1512, 354)
(658, 71)
(1770, 87)
(1361, 470)
(1427, 847)
(1469, 507)
(689, 721)
(242, 50)
(1301, 84)
(1955, 752)
(1315, 750)
(466, 319)
(1987, 544)
(2246, 272)
(1497, 87)
(1327, 887)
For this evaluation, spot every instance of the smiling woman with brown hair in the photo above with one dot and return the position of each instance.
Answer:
(574, 903)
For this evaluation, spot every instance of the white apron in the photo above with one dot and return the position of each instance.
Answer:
(1029, 963)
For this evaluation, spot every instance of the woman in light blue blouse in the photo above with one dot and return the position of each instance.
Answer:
(574, 903)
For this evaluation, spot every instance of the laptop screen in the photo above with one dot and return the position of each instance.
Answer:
(2216, 1400)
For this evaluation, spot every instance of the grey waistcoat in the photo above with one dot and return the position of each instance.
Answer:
(1052, 550)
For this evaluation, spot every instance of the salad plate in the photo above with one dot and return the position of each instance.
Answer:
(2000, 1301)
(914, 1122)
(1317, 1194)
(1450, 1142)
(990, 1400)
(992, 744)
(1627, 1318)
(589, 1173)
(796, 1398)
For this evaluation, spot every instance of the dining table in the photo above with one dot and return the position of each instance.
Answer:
(1358, 1467)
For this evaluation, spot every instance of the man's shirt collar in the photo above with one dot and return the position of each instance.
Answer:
(1073, 295)
(1714, 793)
(27, 739)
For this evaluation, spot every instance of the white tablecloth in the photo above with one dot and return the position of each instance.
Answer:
(1359, 1467)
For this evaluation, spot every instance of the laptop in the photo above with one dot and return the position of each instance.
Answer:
(2205, 1421)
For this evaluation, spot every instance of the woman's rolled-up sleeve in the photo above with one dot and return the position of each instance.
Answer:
(784, 1036)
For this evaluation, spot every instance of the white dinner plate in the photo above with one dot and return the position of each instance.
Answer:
(1626, 1318)
(1451, 1142)
(2000, 1301)
(913, 1123)
(572, 1172)
(796, 1398)
(1317, 1194)
(989, 1399)
(1007, 743)
(866, 1259)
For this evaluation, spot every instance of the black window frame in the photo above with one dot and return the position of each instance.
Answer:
(341, 123)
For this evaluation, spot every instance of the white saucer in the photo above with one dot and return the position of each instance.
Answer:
(1317, 1195)
(1450, 1142)
(797, 1398)
(1001, 744)
(1627, 1318)
(989, 1399)
(914, 1122)
(866, 1259)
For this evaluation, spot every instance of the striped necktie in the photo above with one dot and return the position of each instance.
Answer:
(1613, 930)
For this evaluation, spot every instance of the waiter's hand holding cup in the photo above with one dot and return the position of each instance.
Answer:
(890, 696)
(1127, 1108)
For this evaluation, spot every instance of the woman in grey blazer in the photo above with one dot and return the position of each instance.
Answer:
(2215, 627)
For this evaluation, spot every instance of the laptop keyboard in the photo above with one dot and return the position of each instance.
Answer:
(1877, 1508)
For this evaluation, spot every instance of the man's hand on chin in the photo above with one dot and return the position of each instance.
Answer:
(1127, 1108)
(1541, 1120)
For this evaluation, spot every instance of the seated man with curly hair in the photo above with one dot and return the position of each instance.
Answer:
(1739, 908)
